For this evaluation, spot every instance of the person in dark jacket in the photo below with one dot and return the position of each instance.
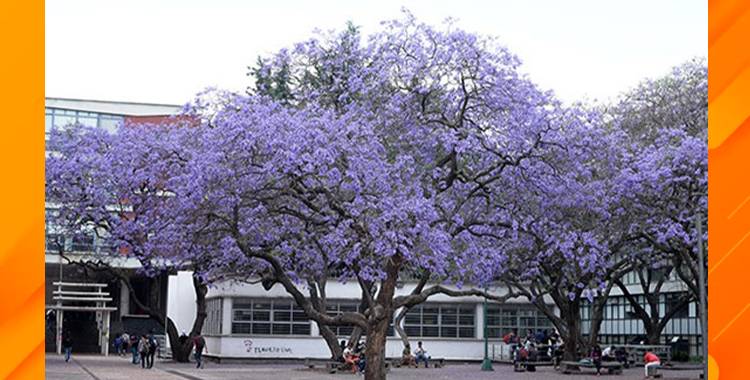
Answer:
(596, 358)
(134, 343)
(67, 345)
(152, 346)
(200, 345)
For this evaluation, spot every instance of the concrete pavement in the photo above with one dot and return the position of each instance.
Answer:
(96, 367)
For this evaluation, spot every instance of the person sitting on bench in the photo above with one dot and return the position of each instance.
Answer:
(407, 358)
(652, 361)
(621, 354)
(421, 355)
(608, 355)
(596, 358)
(351, 358)
(533, 357)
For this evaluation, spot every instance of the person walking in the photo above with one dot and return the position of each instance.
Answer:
(125, 343)
(200, 345)
(67, 345)
(143, 350)
(152, 346)
(118, 344)
(134, 343)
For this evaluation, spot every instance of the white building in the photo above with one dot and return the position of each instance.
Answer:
(248, 322)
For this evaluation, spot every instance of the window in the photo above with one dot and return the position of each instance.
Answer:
(110, 123)
(54, 242)
(622, 326)
(213, 316)
(502, 319)
(106, 245)
(83, 243)
(62, 118)
(268, 317)
(671, 300)
(440, 320)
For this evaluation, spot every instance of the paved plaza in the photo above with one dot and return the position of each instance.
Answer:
(92, 367)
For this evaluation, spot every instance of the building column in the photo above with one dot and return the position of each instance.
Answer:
(479, 320)
(105, 333)
(59, 328)
(226, 316)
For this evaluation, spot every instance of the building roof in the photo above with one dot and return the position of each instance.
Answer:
(111, 107)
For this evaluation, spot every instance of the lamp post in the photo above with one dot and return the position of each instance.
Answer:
(487, 363)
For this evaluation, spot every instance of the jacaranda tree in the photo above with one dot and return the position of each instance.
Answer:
(418, 152)
(112, 185)
(401, 172)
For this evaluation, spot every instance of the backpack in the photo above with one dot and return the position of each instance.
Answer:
(524, 354)
(145, 347)
(152, 344)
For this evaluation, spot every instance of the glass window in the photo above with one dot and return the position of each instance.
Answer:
(268, 317)
(440, 320)
(213, 321)
(88, 121)
(64, 121)
(83, 243)
(110, 123)
(515, 317)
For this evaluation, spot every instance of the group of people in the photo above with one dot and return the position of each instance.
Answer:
(526, 350)
(420, 354)
(354, 356)
(609, 354)
(526, 347)
(620, 354)
(541, 337)
(143, 347)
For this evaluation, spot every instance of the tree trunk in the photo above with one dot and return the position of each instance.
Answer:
(331, 340)
(573, 339)
(397, 325)
(653, 336)
(379, 319)
(181, 352)
(375, 349)
(356, 336)
(178, 354)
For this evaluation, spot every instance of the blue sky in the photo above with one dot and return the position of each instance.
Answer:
(166, 51)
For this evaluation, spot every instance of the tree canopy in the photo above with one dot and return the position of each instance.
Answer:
(420, 151)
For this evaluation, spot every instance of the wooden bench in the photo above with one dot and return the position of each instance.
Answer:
(341, 367)
(654, 372)
(399, 362)
(522, 366)
(570, 367)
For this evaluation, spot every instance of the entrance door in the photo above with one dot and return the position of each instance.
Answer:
(83, 330)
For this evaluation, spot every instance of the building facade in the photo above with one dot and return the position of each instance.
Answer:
(62, 251)
(247, 322)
